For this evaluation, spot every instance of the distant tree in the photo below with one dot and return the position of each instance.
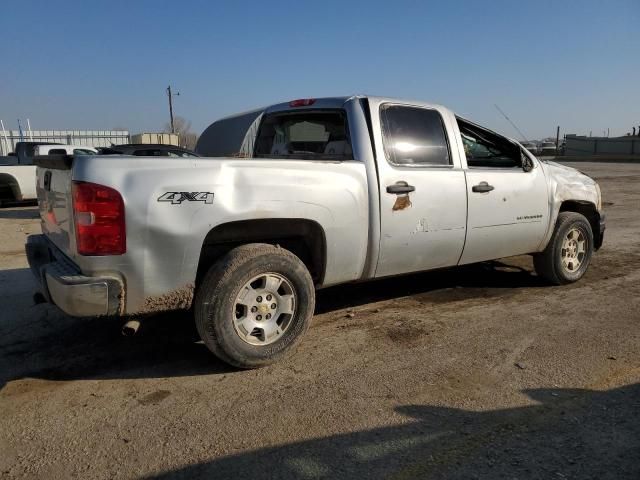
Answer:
(119, 129)
(182, 127)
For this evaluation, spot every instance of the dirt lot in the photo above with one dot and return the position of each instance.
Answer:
(481, 372)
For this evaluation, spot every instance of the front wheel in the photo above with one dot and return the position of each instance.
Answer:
(567, 256)
(254, 305)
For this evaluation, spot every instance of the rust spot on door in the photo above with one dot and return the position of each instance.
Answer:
(402, 202)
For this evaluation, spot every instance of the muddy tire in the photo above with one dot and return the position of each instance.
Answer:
(567, 256)
(254, 305)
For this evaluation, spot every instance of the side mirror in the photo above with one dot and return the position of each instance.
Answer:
(527, 163)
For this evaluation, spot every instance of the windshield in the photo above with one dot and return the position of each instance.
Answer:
(310, 134)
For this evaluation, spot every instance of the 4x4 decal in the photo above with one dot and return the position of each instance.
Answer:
(176, 198)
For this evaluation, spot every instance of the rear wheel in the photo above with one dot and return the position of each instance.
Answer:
(254, 305)
(568, 254)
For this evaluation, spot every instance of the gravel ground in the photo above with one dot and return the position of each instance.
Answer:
(478, 372)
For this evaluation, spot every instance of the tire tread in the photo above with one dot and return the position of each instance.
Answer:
(217, 281)
(545, 262)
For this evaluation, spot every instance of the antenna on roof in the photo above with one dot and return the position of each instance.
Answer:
(509, 120)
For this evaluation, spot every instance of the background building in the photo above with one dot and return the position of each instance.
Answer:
(157, 138)
(581, 145)
(90, 138)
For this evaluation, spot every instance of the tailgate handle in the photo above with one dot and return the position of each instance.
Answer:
(482, 187)
(47, 180)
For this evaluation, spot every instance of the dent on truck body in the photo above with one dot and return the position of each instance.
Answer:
(567, 184)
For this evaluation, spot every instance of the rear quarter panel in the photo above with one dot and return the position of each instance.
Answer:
(164, 240)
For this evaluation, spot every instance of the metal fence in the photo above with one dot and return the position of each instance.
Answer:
(89, 138)
(602, 146)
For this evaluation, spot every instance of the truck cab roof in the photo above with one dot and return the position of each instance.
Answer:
(227, 136)
(338, 102)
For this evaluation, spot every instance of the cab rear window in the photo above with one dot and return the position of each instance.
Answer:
(310, 134)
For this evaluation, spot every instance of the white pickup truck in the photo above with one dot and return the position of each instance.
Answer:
(18, 173)
(319, 192)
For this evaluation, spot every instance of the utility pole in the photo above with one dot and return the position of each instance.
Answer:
(171, 95)
(557, 138)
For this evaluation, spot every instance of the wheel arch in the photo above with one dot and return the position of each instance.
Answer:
(590, 212)
(303, 237)
(8, 183)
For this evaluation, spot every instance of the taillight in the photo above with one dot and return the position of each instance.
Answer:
(99, 219)
(302, 102)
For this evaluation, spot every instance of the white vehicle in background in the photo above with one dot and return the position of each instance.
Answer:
(65, 150)
(18, 173)
(17, 182)
(532, 147)
(548, 149)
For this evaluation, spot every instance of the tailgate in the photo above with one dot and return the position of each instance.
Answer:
(53, 188)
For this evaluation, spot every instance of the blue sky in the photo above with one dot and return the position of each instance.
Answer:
(100, 65)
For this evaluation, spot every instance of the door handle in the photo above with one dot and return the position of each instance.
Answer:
(400, 187)
(482, 187)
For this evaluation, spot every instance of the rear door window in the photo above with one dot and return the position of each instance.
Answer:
(414, 136)
(310, 134)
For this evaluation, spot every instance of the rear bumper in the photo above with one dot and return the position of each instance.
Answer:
(65, 286)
